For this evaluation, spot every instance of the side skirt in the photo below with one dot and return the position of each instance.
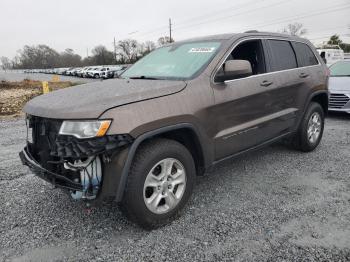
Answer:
(262, 145)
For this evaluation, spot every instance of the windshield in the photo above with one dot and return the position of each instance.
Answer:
(340, 69)
(178, 61)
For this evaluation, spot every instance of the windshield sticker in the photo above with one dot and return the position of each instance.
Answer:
(202, 50)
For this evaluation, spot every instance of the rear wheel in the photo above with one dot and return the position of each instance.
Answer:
(311, 128)
(97, 76)
(160, 182)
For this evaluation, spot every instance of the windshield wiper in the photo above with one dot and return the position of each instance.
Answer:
(145, 77)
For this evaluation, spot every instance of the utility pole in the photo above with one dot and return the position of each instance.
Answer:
(171, 39)
(87, 52)
(115, 50)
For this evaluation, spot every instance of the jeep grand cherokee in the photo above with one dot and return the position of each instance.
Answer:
(142, 139)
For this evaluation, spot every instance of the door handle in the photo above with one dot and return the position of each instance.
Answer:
(266, 83)
(303, 75)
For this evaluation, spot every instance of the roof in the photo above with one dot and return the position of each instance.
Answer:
(238, 35)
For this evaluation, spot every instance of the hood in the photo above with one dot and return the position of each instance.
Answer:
(91, 100)
(339, 83)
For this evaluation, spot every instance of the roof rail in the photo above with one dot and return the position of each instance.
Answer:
(252, 31)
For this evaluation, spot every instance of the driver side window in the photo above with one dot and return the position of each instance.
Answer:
(251, 51)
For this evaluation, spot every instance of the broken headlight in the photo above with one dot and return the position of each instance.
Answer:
(85, 129)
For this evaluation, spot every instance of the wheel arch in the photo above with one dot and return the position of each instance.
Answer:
(322, 99)
(184, 133)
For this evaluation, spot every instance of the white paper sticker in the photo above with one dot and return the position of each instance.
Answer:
(202, 50)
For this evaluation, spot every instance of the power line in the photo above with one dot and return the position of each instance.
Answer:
(307, 15)
(273, 22)
(300, 16)
(236, 7)
(232, 15)
(326, 36)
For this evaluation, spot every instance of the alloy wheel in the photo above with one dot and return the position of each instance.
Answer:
(164, 186)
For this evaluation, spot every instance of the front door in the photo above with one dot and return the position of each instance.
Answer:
(254, 109)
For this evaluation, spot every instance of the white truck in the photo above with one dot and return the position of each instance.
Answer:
(331, 54)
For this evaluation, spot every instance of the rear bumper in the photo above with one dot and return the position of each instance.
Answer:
(53, 178)
(339, 110)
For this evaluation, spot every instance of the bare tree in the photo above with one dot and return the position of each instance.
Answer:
(5, 63)
(295, 29)
(147, 47)
(101, 56)
(68, 58)
(41, 56)
(164, 40)
(128, 50)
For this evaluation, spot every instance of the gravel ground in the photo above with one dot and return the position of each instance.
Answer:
(271, 205)
(16, 76)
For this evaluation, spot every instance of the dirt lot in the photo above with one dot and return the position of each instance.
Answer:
(13, 95)
(272, 205)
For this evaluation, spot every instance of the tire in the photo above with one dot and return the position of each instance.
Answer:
(97, 76)
(148, 162)
(301, 140)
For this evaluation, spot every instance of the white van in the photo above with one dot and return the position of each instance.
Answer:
(331, 54)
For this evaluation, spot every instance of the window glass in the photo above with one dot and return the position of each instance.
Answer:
(178, 61)
(305, 56)
(340, 69)
(282, 55)
(251, 51)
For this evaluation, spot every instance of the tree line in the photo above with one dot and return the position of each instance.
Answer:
(127, 51)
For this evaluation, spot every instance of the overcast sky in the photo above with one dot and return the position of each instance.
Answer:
(83, 24)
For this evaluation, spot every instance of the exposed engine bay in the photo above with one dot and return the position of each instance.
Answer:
(68, 162)
(90, 172)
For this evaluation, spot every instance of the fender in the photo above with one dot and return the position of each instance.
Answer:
(308, 101)
(120, 185)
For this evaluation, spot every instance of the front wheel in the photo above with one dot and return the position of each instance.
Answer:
(160, 182)
(311, 129)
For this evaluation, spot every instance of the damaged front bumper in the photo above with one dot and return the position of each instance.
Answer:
(51, 177)
(86, 167)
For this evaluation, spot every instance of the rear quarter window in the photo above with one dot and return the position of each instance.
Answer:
(282, 56)
(304, 54)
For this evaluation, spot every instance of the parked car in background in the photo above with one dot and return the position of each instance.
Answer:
(69, 72)
(339, 87)
(331, 54)
(143, 138)
(75, 70)
(85, 72)
(117, 73)
(81, 71)
(62, 70)
(109, 72)
(95, 72)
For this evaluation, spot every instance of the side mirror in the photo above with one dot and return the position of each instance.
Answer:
(233, 69)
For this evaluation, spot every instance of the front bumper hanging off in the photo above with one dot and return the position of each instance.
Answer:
(51, 177)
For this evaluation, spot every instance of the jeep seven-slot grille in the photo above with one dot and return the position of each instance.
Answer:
(338, 101)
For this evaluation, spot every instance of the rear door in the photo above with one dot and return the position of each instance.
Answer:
(310, 72)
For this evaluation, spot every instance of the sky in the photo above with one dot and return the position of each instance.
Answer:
(83, 24)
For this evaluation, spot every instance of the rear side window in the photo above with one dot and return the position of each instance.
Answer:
(282, 55)
(305, 56)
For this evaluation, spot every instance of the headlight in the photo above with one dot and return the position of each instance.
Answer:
(85, 129)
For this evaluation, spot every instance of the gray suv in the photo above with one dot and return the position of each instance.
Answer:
(143, 138)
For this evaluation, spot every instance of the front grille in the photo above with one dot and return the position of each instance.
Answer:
(44, 134)
(338, 101)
